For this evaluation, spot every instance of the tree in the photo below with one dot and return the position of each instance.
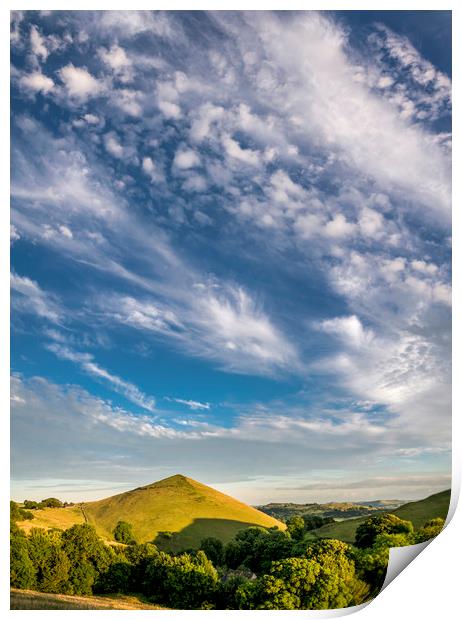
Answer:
(313, 522)
(429, 530)
(50, 561)
(296, 527)
(213, 549)
(184, 582)
(387, 523)
(117, 579)
(372, 562)
(51, 502)
(286, 587)
(324, 579)
(19, 514)
(89, 557)
(30, 504)
(337, 584)
(123, 532)
(22, 571)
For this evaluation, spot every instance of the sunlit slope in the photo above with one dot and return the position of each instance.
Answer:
(48, 518)
(189, 509)
(417, 512)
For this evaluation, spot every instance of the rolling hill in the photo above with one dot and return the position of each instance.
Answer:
(176, 513)
(417, 512)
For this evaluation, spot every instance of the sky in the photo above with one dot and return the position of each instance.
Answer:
(231, 253)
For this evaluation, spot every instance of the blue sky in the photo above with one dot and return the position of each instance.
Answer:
(230, 250)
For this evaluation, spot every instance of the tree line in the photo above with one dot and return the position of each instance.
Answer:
(258, 569)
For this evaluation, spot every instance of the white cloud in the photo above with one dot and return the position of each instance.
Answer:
(127, 101)
(36, 82)
(339, 227)
(91, 119)
(349, 329)
(14, 234)
(131, 23)
(323, 99)
(113, 146)
(371, 223)
(30, 298)
(185, 159)
(207, 115)
(194, 405)
(222, 323)
(234, 150)
(79, 83)
(37, 43)
(169, 109)
(117, 59)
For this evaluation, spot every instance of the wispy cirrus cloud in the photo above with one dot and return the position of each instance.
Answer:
(88, 365)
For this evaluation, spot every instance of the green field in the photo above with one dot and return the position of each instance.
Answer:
(188, 509)
(417, 512)
(29, 599)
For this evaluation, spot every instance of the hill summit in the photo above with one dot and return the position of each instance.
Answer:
(175, 513)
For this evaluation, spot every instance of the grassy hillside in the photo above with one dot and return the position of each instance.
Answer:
(429, 508)
(178, 504)
(48, 518)
(417, 512)
(188, 509)
(29, 599)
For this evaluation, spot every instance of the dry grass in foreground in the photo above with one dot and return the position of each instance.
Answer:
(29, 599)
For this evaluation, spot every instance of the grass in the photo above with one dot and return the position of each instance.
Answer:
(29, 599)
(417, 512)
(190, 510)
(422, 511)
(47, 518)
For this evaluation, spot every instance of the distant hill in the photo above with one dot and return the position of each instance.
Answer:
(336, 510)
(417, 512)
(176, 513)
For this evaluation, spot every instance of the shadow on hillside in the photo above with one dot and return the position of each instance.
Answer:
(190, 537)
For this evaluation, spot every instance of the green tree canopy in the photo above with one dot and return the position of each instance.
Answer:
(387, 523)
(22, 571)
(213, 549)
(296, 527)
(123, 532)
(429, 530)
(88, 554)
